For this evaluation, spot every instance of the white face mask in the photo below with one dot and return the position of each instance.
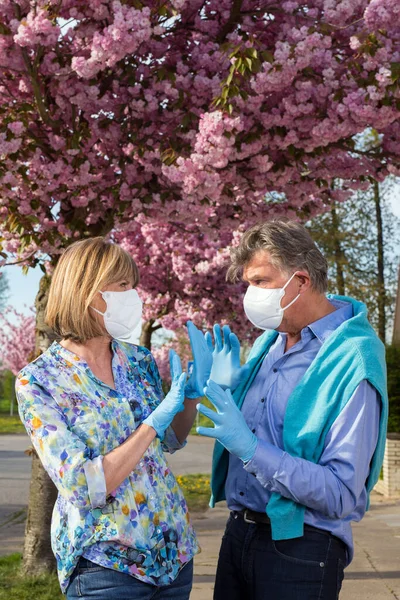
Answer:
(123, 313)
(263, 305)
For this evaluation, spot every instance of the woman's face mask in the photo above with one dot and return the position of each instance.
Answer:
(263, 305)
(122, 315)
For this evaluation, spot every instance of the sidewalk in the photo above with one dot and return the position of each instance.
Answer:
(374, 573)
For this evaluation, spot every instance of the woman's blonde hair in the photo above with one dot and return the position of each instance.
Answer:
(84, 269)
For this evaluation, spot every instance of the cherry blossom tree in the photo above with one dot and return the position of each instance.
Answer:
(17, 339)
(187, 108)
(182, 276)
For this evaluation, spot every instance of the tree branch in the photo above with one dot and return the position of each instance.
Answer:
(233, 20)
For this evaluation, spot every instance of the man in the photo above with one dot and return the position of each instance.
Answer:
(300, 445)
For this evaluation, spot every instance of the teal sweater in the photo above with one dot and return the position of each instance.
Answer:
(352, 353)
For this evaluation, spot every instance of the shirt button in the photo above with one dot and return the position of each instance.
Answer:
(262, 399)
(275, 370)
(241, 493)
(253, 430)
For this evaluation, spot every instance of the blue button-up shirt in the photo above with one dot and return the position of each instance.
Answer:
(333, 491)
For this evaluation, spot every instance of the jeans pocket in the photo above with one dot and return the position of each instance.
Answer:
(302, 552)
(229, 524)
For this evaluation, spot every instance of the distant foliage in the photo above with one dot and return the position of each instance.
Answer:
(393, 365)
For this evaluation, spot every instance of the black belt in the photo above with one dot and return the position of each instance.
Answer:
(251, 516)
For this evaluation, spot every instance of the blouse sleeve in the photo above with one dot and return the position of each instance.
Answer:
(78, 477)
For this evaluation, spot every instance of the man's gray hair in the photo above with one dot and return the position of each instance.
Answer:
(290, 246)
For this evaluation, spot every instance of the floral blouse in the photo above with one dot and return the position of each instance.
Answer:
(73, 419)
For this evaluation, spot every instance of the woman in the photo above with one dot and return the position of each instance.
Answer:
(92, 406)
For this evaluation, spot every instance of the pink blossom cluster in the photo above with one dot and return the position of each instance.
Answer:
(37, 28)
(129, 28)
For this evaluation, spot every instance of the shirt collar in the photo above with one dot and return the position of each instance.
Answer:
(324, 327)
(75, 361)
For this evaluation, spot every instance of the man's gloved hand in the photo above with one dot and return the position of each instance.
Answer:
(202, 362)
(226, 369)
(230, 428)
(163, 415)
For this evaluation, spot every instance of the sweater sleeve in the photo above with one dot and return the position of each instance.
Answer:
(334, 485)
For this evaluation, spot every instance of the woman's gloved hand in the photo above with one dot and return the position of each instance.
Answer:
(226, 369)
(202, 362)
(230, 428)
(163, 415)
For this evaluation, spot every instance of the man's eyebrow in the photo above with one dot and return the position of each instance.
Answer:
(257, 276)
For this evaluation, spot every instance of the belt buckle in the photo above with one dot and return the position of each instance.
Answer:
(246, 519)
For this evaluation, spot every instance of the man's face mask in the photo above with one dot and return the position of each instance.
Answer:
(263, 305)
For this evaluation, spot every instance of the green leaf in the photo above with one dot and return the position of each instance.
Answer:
(230, 76)
(249, 63)
(267, 56)
(4, 30)
(395, 69)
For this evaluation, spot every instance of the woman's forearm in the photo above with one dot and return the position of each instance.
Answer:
(121, 461)
(184, 420)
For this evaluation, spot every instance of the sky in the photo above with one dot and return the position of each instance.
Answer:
(23, 288)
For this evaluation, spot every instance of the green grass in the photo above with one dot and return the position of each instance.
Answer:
(196, 489)
(14, 586)
(11, 424)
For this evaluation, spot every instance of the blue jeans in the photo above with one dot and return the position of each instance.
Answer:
(91, 581)
(252, 566)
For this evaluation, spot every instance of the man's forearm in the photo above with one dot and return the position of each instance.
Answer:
(184, 420)
(333, 486)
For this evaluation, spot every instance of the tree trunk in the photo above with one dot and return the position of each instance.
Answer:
(146, 333)
(339, 254)
(381, 266)
(38, 556)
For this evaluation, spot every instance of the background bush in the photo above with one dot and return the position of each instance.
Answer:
(393, 366)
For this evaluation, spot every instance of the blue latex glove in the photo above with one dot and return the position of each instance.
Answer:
(230, 428)
(202, 362)
(162, 416)
(226, 369)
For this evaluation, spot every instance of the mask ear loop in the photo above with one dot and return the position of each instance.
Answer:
(95, 309)
(297, 297)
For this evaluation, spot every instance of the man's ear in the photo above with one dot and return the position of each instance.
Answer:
(304, 280)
